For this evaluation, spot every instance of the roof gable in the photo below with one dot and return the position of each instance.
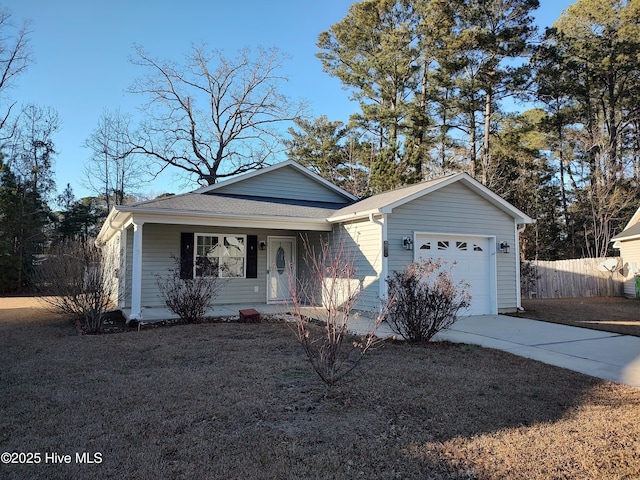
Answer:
(386, 202)
(631, 230)
(628, 234)
(283, 180)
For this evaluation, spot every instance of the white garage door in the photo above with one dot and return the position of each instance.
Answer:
(473, 265)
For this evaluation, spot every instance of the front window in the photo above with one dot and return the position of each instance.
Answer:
(220, 256)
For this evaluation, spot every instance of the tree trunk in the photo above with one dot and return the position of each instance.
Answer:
(487, 128)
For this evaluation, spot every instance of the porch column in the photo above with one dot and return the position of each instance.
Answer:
(384, 273)
(136, 274)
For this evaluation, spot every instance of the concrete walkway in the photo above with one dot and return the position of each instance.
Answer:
(605, 355)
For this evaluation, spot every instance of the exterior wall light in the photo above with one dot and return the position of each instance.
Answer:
(505, 247)
(407, 243)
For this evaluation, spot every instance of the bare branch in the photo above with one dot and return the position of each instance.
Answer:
(330, 289)
(212, 117)
(76, 279)
(15, 57)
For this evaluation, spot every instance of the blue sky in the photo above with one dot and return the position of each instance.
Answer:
(82, 50)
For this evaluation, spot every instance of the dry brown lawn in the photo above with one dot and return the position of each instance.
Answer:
(228, 400)
(612, 314)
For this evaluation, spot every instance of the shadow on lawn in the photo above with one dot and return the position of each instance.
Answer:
(232, 400)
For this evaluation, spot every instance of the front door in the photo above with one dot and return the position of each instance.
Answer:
(281, 254)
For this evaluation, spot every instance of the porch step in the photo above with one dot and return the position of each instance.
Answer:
(249, 315)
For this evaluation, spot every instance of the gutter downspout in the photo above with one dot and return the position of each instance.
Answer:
(384, 273)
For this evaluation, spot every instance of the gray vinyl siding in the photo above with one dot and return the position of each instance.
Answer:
(362, 244)
(363, 241)
(284, 183)
(161, 246)
(112, 257)
(309, 244)
(630, 253)
(455, 209)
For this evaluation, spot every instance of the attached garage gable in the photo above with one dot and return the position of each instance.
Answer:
(472, 262)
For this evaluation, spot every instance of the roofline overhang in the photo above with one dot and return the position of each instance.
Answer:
(122, 216)
(525, 220)
(519, 216)
(618, 239)
(356, 215)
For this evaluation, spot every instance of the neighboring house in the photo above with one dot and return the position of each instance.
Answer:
(252, 227)
(628, 241)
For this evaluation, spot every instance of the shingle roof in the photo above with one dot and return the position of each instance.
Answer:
(387, 198)
(238, 205)
(632, 231)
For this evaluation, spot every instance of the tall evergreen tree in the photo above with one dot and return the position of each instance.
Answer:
(597, 47)
(522, 174)
(81, 220)
(373, 51)
(492, 37)
(333, 151)
(24, 217)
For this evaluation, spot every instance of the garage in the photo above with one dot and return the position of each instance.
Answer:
(455, 218)
(473, 264)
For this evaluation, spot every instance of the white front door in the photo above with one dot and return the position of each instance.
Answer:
(281, 254)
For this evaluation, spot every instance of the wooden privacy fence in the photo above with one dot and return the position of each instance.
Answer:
(581, 277)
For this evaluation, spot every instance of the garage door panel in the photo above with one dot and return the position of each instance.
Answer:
(472, 259)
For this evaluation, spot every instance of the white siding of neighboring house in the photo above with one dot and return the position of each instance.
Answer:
(630, 254)
(285, 182)
(455, 209)
(161, 246)
(363, 239)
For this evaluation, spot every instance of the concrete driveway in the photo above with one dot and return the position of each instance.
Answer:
(605, 355)
(610, 356)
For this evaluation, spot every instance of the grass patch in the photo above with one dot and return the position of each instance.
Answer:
(610, 314)
(229, 400)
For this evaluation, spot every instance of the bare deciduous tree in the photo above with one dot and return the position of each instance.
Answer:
(212, 117)
(329, 291)
(31, 149)
(113, 171)
(76, 282)
(15, 58)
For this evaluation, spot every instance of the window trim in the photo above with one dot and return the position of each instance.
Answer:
(221, 237)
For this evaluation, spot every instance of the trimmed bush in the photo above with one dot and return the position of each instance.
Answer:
(425, 300)
(191, 298)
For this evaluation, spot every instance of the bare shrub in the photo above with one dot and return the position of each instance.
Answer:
(329, 292)
(425, 300)
(528, 279)
(188, 298)
(74, 279)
